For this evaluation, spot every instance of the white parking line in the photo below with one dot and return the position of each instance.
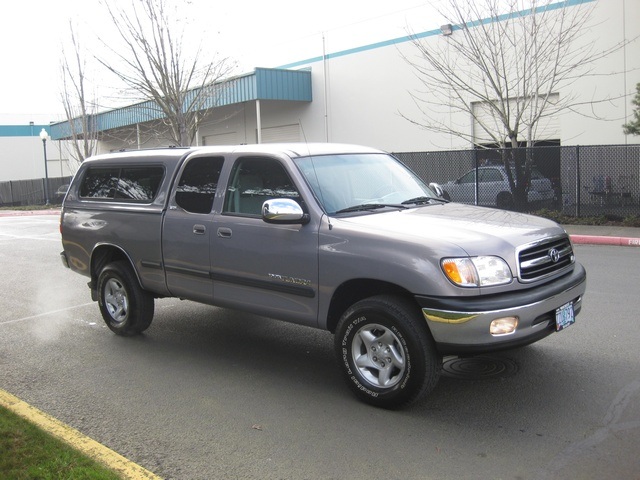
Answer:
(5, 236)
(16, 320)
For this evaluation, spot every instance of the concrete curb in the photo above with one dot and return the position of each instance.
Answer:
(605, 240)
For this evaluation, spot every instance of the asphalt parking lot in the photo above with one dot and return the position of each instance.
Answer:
(208, 393)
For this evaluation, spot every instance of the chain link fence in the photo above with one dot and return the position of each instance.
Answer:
(577, 180)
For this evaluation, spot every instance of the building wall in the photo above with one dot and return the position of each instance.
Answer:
(22, 158)
(363, 95)
(369, 91)
(602, 91)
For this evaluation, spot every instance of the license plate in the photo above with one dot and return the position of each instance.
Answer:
(565, 316)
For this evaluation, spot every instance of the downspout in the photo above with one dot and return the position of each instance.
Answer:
(60, 156)
(197, 131)
(258, 122)
(326, 89)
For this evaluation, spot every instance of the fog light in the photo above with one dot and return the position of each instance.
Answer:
(503, 326)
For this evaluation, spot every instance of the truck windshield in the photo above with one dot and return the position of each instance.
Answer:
(343, 183)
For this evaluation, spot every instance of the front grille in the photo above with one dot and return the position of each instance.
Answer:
(544, 258)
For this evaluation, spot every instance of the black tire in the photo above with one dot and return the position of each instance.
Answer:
(126, 308)
(409, 366)
(504, 201)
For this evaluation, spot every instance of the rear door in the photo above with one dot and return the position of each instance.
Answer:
(187, 229)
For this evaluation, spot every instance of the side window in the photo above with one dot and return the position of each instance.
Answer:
(198, 184)
(469, 177)
(137, 184)
(100, 183)
(255, 180)
(491, 175)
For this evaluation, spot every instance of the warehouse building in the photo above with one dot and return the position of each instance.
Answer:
(363, 95)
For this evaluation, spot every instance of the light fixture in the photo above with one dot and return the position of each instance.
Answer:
(44, 136)
(503, 326)
(446, 29)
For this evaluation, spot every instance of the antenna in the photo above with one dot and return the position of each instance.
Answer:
(304, 135)
(315, 173)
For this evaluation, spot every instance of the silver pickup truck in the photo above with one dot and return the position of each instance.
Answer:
(338, 237)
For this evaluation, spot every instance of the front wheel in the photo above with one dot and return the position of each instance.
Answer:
(126, 308)
(386, 352)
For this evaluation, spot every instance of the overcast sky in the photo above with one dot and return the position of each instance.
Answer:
(254, 33)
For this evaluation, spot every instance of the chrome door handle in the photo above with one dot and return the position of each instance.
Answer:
(224, 232)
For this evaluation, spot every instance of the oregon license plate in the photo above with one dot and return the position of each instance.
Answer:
(565, 316)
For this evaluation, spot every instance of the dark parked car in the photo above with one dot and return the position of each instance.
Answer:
(61, 192)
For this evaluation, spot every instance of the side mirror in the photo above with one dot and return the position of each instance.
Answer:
(283, 211)
(437, 189)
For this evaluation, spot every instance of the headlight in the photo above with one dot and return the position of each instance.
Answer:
(477, 271)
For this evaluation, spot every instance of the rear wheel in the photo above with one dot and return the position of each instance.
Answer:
(386, 352)
(504, 201)
(126, 308)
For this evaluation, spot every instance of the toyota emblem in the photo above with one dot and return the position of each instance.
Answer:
(554, 255)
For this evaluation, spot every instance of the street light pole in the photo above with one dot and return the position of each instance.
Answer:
(44, 135)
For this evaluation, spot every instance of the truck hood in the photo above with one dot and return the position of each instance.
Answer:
(477, 230)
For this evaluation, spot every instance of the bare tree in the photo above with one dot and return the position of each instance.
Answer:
(79, 106)
(153, 60)
(503, 65)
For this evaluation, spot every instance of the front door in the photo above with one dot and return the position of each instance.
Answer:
(270, 269)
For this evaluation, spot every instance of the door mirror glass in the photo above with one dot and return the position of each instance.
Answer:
(283, 210)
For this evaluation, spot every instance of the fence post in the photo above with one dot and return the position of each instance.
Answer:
(477, 186)
(578, 182)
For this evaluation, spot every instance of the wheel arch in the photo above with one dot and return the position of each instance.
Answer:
(355, 290)
(102, 255)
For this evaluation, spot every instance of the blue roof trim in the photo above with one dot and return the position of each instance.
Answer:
(261, 84)
(431, 33)
(22, 130)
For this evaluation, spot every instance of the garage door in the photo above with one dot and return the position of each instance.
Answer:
(230, 138)
(547, 128)
(283, 133)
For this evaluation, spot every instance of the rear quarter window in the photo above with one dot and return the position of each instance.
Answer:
(126, 184)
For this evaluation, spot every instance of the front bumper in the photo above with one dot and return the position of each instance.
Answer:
(461, 325)
(65, 260)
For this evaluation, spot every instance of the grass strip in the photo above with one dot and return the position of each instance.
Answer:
(27, 452)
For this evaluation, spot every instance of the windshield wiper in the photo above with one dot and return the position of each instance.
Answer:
(423, 200)
(370, 206)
